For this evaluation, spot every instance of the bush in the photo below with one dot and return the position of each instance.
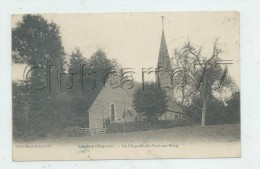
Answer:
(217, 111)
(73, 132)
(150, 101)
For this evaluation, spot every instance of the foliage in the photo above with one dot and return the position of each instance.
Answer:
(218, 112)
(100, 65)
(37, 42)
(21, 100)
(215, 111)
(201, 77)
(233, 108)
(152, 101)
(77, 60)
(42, 105)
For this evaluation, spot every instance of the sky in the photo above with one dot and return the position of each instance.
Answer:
(133, 39)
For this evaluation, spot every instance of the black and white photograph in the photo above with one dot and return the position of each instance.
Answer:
(134, 85)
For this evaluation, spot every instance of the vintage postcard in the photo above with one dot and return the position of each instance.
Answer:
(93, 86)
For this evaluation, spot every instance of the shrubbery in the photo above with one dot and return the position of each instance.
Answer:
(218, 112)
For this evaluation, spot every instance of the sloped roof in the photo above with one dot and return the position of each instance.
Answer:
(129, 87)
(174, 107)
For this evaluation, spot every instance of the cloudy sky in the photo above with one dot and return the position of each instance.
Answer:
(134, 38)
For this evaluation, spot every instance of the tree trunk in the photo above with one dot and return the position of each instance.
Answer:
(182, 100)
(203, 115)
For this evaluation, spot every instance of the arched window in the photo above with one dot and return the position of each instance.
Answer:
(112, 112)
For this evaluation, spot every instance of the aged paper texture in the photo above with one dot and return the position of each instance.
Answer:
(126, 85)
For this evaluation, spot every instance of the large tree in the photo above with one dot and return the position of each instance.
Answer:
(99, 63)
(77, 60)
(150, 100)
(201, 76)
(37, 41)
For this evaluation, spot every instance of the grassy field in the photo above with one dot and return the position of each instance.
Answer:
(179, 142)
(189, 134)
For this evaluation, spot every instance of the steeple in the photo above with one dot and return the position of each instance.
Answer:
(164, 66)
(164, 59)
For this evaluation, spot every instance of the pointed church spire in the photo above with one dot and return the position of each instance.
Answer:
(164, 59)
(164, 66)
